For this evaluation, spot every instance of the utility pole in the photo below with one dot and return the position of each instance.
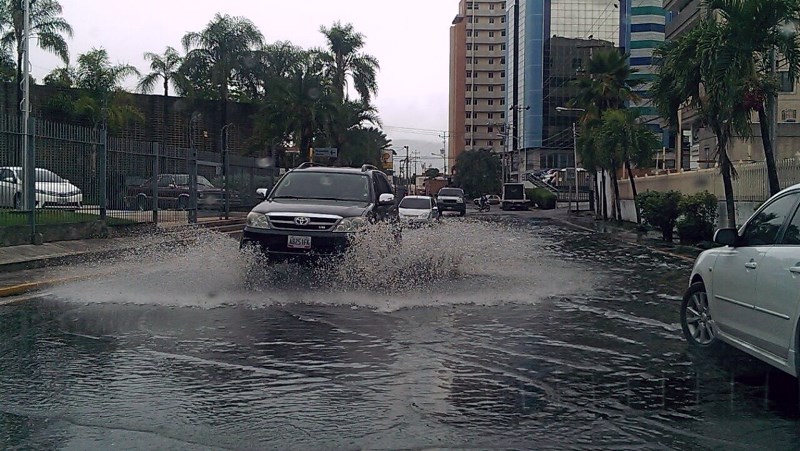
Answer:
(443, 135)
(407, 161)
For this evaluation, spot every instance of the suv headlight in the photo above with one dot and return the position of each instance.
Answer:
(352, 225)
(257, 220)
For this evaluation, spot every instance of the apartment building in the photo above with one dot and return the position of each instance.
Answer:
(478, 47)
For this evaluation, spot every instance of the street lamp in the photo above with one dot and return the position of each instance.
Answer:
(574, 148)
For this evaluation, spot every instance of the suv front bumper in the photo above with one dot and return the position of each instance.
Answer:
(276, 242)
(452, 207)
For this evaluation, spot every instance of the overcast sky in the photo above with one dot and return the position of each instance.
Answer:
(410, 38)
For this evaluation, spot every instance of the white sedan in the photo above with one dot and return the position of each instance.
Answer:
(50, 189)
(747, 293)
(418, 210)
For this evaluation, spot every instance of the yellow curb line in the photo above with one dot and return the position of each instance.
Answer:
(23, 288)
(660, 251)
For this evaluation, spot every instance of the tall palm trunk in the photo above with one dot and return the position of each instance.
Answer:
(633, 190)
(166, 123)
(615, 185)
(20, 74)
(605, 195)
(726, 168)
(769, 152)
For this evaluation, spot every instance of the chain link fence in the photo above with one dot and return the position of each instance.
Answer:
(83, 176)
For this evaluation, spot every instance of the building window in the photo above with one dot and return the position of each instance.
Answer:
(491, 74)
(503, 114)
(502, 142)
(469, 46)
(490, 102)
(468, 128)
(477, 47)
(471, 5)
(491, 115)
(490, 129)
(491, 34)
(786, 83)
(469, 74)
(789, 115)
(491, 48)
(469, 115)
(468, 100)
(503, 33)
(469, 33)
(491, 60)
(502, 87)
(491, 19)
(502, 101)
(503, 19)
(468, 88)
(491, 6)
(502, 74)
(490, 88)
(477, 34)
(469, 19)
(491, 143)
(503, 60)
(502, 46)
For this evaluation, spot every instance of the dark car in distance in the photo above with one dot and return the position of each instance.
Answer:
(174, 192)
(315, 210)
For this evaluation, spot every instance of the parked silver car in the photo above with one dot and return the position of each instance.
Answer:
(747, 293)
(50, 189)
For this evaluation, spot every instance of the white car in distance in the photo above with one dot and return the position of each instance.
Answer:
(51, 189)
(417, 210)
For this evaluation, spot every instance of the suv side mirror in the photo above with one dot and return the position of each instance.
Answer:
(726, 237)
(262, 193)
(386, 199)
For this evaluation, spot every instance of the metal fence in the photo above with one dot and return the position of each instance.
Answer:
(82, 176)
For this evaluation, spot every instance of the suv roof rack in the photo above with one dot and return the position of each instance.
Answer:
(369, 167)
(309, 164)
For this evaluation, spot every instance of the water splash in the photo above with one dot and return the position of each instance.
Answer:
(455, 262)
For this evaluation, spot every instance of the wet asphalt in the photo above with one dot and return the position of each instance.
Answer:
(497, 333)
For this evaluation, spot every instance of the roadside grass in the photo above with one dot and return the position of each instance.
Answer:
(45, 217)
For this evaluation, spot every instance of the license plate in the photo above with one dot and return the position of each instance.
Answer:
(299, 242)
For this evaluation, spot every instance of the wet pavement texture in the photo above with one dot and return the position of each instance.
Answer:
(498, 333)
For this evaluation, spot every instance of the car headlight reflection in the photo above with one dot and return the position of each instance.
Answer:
(350, 225)
(257, 220)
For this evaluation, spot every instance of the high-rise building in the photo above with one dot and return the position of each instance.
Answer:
(477, 77)
(550, 43)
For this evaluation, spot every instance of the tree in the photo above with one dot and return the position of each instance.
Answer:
(7, 68)
(478, 172)
(165, 68)
(102, 99)
(46, 26)
(344, 62)
(755, 31)
(432, 173)
(620, 134)
(695, 69)
(215, 55)
(608, 85)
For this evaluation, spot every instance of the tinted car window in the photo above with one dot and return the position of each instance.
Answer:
(382, 185)
(763, 229)
(415, 203)
(165, 180)
(320, 185)
(792, 234)
(450, 192)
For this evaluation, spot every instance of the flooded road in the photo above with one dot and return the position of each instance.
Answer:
(502, 333)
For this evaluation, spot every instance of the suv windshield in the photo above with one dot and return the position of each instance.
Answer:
(415, 203)
(451, 192)
(323, 185)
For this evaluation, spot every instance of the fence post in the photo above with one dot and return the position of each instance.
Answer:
(103, 182)
(155, 183)
(192, 185)
(29, 180)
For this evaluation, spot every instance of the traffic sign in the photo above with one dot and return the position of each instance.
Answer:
(331, 152)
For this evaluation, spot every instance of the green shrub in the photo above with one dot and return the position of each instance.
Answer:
(698, 218)
(543, 198)
(660, 210)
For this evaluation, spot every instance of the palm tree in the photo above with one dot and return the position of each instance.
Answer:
(164, 67)
(217, 53)
(102, 101)
(344, 61)
(621, 135)
(608, 85)
(756, 30)
(47, 28)
(695, 69)
(343, 118)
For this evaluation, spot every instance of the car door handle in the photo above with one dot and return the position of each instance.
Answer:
(751, 265)
(795, 269)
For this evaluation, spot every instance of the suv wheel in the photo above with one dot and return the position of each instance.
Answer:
(696, 320)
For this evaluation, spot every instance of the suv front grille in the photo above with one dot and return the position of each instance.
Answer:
(289, 221)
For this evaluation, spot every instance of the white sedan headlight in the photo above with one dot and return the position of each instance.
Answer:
(257, 220)
(351, 225)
